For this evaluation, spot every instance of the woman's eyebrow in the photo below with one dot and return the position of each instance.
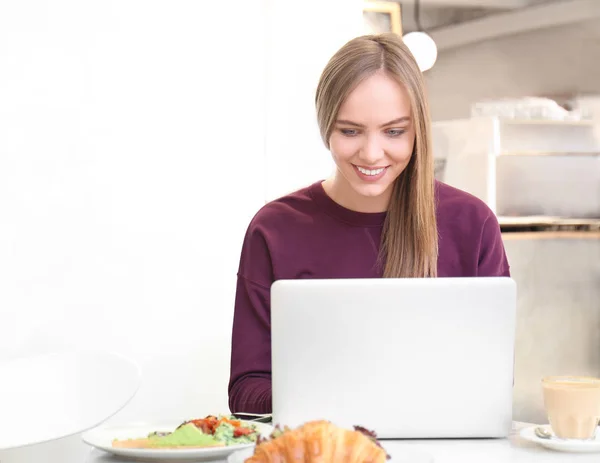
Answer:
(356, 124)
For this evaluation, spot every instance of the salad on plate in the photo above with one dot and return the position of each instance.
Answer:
(208, 432)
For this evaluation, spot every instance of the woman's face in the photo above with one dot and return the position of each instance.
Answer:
(371, 143)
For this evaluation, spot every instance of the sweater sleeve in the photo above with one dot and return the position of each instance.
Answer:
(250, 376)
(492, 255)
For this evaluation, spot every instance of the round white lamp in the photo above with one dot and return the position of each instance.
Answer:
(423, 48)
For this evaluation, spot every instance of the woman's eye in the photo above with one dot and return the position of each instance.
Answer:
(395, 132)
(348, 132)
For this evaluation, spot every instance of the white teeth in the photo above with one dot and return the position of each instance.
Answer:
(370, 172)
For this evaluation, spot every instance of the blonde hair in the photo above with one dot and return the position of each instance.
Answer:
(409, 243)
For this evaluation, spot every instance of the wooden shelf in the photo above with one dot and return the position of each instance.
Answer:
(547, 220)
(508, 121)
(549, 227)
(551, 235)
(546, 153)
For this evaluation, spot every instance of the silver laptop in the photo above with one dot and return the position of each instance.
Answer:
(407, 358)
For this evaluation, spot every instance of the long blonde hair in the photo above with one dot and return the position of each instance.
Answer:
(409, 243)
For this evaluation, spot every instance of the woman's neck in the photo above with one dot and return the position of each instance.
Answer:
(340, 191)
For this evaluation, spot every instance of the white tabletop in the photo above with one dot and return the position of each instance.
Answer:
(511, 450)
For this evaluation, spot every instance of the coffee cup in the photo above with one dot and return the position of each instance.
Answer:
(572, 405)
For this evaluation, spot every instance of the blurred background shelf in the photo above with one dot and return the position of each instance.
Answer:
(542, 179)
(545, 153)
(540, 220)
(547, 122)
(523, 168)
(544, 227)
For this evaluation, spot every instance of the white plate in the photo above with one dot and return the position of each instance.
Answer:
(240, 456)
(561, 445)
(102, 437)
(64, 393)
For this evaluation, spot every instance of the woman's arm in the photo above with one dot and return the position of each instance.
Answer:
(492, 255)
(250, 379)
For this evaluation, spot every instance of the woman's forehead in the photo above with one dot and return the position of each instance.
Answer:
(377, 99)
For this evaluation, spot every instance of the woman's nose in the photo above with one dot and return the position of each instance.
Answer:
(372, 151)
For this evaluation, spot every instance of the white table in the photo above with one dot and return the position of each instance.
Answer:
(511, 450)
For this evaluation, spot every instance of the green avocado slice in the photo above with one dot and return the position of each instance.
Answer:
(185, 436)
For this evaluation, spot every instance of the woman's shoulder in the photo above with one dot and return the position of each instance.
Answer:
(275, 228)
(454, 203)
(286, 210)
(470, 235)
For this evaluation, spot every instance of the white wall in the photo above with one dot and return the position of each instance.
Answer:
(559, 61)
(126, 127)
(133, 152)
(302, 38)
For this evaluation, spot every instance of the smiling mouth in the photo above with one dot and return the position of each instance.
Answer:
(370, 172)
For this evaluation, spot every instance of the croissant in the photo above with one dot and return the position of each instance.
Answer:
(319, 442)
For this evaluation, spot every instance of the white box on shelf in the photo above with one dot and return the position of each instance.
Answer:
(518, 167)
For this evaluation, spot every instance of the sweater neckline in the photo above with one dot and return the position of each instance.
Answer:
(341, 213)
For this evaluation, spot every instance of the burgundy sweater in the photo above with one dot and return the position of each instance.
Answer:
(307, 235)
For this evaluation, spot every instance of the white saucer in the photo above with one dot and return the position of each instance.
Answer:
(561, 445)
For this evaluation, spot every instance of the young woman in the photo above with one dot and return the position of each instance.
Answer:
(381, 214)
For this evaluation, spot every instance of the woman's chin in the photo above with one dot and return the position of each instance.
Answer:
(373, 190)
